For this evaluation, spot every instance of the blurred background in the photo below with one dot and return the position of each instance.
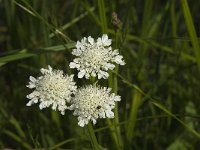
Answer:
(159, 85)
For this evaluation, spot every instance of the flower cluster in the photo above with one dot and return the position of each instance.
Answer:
(52, 88)
(59, 91)
(95, 58)
(92, 102)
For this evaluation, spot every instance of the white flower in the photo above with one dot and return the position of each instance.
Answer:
(52, 88)
(92, 102)
(95, 58)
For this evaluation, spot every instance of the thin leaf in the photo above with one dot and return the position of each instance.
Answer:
(17, 126)
(25, 54)
(133, 115)
(102, 14)
(176, 118)
(17, 139)
(191, 30)
(62, 143)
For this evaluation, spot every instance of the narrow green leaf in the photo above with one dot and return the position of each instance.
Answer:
(17, 139)
(176, 118)
(61, 144)
(59, 47)
(92, 136)
(72, 22)
(25, 8)
(191, 30)
(102, 14)
(17, 56)
(17, 126)
(22, 54)
(133, 115)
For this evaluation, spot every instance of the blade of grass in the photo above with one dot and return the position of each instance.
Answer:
(133, 115)
(146, 16)
(191, 30)
(93, 138)
(113, 83)
(176, 118)
(26, 9)
(112, 131)
(92, 13)
(22, 54)
(17, 139)
(1, 64)
(173, 22)
(75, 20)
(18, 56)
(102, 14)
(61, 143)
(17, 126)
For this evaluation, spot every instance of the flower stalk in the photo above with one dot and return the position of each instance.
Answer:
(113, 83)
(92, 135)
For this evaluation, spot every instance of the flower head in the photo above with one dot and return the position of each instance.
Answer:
(92, 102)
(52, 88)
(95, 58)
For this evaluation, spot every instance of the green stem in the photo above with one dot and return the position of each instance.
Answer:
(191, 30)
(102, 14)
(136, 101)
(90, 129)
(93, 138)
(116, 112)
(113, 133)
(113, 83)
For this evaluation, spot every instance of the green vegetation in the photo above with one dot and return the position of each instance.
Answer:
(159, 85)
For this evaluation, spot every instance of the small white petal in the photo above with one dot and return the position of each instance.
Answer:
(90, 40)
(117, 98)
(78, 45)
(32, 79)
(100, 75)
(102, 114)
(81, 123)
(105, 40)
(109, 114)
(31, 85)
(29, 103)
(41, 106)
(103, 74)
(30, 96)
(115, 52)
(87, 75)
(54, 106)
(81, 74)
(118, 60)
(76, 52)
(94, 121)
(94, 74)
(99, 41)
(110, 66)
(74, 65)
(50, 69)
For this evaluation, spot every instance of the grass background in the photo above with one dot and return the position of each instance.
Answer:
(159, 84)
